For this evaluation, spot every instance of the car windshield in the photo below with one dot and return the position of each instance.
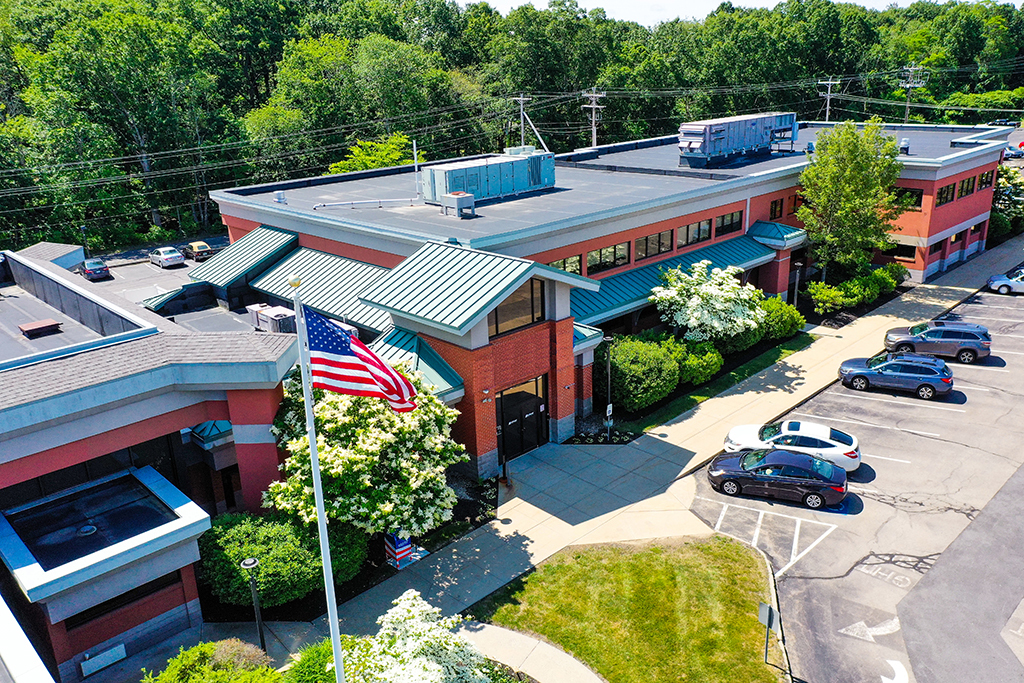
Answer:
(823, 468)
(877, 360)
(769, 430)
(752, 459)
(1016, 275)
(841, 437)
(95, 263)
(919, 328)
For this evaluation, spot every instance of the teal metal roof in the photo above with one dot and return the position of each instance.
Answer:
(330, 284)
(584, 334)
(396, 345)
(247, 257)
(452, 288)
(774, 231)
(629, 291)
(155, 303)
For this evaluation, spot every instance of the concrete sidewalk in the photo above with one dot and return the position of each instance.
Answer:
(568, 495)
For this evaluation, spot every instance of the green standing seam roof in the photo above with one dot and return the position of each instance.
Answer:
(330, 284)
(397, 344)
(581, 334)
(253, 251)
(629, 291)
(774, 231)
(155, 303)
(452, 287)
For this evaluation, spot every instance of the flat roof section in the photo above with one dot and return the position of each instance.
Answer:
(18, 307)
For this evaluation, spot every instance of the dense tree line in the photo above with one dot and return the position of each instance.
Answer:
(117, 117)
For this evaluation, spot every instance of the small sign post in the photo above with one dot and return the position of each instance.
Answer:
(769, 616)
(608, 421)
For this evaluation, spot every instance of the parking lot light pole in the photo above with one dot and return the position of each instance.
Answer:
(607, 414)
(249, 564)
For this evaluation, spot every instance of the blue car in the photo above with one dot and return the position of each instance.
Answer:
(922, 375)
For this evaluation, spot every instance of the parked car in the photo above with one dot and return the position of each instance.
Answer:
(966, 342)
(923, 375)
(1013, 153)
(197, 251)
(1011, 282)
(166, 256)
(838, 447)
(781, 474)
(1004, 122)
(94, 269)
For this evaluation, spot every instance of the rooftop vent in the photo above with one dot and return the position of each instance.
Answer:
(714, 142)
(279, 197)
(905, 146)
(462, 203)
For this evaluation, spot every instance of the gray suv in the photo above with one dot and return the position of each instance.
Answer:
(966, 342)
(923, 375)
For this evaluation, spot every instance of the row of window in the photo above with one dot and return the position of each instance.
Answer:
(909, 251)
(775, 209)
(966, 187)
(653, 245)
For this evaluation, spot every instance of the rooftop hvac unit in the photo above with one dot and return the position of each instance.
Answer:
(711, 143)
(276, 319)
(520, 169)
(254, 313)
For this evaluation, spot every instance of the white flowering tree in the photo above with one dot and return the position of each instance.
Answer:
(709, 304)
(382, 471)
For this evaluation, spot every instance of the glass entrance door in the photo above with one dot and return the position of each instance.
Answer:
(522, 418)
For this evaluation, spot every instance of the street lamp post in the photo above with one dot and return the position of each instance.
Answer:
(608, 409)
(249, 564)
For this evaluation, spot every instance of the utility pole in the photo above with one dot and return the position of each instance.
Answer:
(828, 95)
(522, 117)
(913, 77)
(594, 113)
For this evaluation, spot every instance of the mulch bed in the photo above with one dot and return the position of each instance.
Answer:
(838, 319)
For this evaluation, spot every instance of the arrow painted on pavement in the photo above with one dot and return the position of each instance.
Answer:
(901, 675)
(868, 633)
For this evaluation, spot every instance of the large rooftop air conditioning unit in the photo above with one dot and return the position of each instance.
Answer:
(711, 143)
(518, 170)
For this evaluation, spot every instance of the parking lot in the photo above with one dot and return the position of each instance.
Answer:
(929, 468)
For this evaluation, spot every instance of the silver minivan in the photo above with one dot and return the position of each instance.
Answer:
(966, 342)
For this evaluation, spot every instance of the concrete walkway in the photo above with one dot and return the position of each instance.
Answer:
(571, 495)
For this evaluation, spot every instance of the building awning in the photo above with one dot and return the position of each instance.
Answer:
(397, 345)
(330, 284)
(629, 291)
(777, 235)
(452, 288)
(585, 337)
(244, 260)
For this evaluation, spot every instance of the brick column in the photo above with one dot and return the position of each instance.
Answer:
(774, 275)
(562, 384)
(252, 412)
(585, 389)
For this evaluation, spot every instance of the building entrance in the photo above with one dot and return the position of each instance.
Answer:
(522, 417)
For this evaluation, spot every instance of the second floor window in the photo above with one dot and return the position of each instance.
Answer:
(607, 257)
(914, 196)
(730, 222)
(652, 245)
(523, 307)
(570, 264)
(775, 211)
(695, 232)
(986, 179)
(945, 194)
(966, 187)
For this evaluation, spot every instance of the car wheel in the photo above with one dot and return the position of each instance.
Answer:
(814, 501)
(926, 391)
(966, 356)
(904, 348)
(859, 383)
(730, 487)
(1004, 289)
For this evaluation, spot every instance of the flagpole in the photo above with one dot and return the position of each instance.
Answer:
(318, 492)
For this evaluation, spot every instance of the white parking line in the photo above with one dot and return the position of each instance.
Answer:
(796, 541)
(882, 457)
(866, 424)
(1006, 336)
(861, 489)
(907, 403)
(981, 317)
(982, 367)
(757, 529)
(819, 539)
(965, 388)
(1012, 353)
(1009, 308)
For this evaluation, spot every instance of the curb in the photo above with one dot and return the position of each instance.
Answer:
(776, 605)
(127, 263)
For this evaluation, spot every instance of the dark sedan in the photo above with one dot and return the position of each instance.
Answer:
(94, 269)
(923, 375)
(779, 474)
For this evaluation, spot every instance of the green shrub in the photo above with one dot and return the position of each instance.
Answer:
(230, 661)
(826, 298)
(314, 659)
(287, 570)
(348, 547)
(998, 225)
(897, 271)
(701, 364)
(643, 373)
(739, 342)
(781, 320)
(886, 283)
(859, 290)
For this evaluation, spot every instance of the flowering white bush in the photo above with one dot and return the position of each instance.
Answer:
(381, 470)
(709, 305)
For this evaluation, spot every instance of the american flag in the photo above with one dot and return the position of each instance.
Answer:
(343, 364)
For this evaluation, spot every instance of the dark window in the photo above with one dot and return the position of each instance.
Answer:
(945, 194)
(608, 257)
(652, 245)
(913, 196)
(841, 437)
(975, 229)
(935, 248)
(985, 180)
(730, 222)
(956, 238)
(905, 251)
(694, 232)
(794, 203)
(795, 472)
(523, 307)
(137, 593)
(966, 187)
(775, 211)
(571, 264)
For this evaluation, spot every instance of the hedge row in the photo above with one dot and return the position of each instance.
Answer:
(864, 289)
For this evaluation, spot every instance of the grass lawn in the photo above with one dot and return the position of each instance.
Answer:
(680, 405)
(650, 613)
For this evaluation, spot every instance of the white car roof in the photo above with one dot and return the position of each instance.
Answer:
(166, 250)
(812, 429)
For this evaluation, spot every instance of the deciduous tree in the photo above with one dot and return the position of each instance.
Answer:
(709, 304)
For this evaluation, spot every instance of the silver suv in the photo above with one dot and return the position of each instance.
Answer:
(966, 342)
